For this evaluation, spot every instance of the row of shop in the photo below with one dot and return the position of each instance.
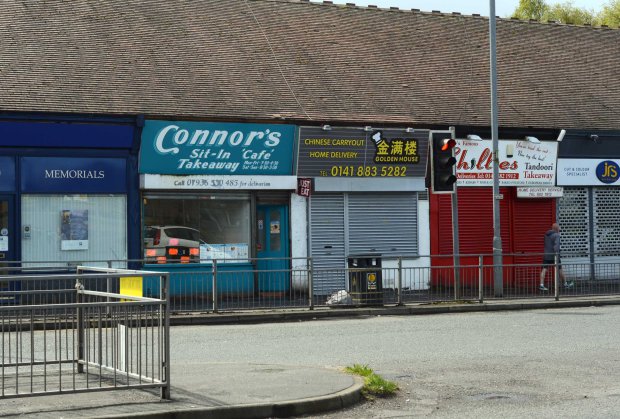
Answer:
(268, 196)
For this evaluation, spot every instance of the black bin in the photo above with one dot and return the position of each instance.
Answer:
(365, 279)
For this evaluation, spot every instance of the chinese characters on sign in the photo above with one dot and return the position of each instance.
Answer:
(397, 150)
(350, 152)
(304, 187)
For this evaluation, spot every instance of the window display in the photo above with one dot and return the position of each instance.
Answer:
(196, 228)
(74, 229)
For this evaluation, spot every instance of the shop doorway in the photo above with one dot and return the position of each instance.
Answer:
(7, 233)
(272, 249)
(7, 247)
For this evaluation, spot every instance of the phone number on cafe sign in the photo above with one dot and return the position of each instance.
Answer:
(366, 171)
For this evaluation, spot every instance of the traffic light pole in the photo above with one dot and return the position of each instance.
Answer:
(498, 283)
(455, 237)
(455, 246)
(443, 181)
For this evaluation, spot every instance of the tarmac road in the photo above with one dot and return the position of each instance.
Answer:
(538, 363)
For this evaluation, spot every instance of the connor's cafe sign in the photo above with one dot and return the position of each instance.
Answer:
(214, 148)
(521, 163)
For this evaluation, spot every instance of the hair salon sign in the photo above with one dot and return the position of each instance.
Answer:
(521, 163)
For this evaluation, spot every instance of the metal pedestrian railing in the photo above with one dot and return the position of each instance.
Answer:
(234, 285)
(218, 287)
(66, 332)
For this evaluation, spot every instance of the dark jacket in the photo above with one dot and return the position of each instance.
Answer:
(552, 243)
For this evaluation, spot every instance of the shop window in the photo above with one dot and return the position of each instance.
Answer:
(60, 230)
(196, 229)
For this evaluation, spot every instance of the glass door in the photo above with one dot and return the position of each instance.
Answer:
(7, 235)
(7, 248)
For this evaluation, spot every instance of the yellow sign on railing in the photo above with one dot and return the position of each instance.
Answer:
(131, 285)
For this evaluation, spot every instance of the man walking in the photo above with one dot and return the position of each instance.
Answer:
(552, 248)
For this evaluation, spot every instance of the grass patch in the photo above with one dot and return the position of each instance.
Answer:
(374, 385)
(361, 370)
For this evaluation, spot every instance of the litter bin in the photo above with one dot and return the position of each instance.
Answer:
(365, 281)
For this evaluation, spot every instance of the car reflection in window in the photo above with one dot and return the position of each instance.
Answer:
(171, 244)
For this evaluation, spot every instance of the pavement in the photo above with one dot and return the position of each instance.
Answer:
(249, 390)
(208, 390)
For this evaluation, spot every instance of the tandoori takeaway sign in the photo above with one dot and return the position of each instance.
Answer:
(521, 163)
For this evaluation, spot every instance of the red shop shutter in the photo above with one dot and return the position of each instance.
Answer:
(475, 208)
(443, 225)
(531, 219)
(475, 220)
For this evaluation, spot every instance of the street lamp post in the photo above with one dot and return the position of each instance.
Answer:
(498, 283)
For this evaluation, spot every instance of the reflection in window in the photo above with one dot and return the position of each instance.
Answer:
(196, 228)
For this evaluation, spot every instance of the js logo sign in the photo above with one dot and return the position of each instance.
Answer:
(607, 171)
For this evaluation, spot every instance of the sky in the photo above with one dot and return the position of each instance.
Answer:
(503, 8)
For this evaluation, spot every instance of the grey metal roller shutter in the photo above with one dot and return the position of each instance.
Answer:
(606, 219)
(573, 216)
(383, 223)
(574, 219)
(590, 231)
(327, 238)
(348, 224)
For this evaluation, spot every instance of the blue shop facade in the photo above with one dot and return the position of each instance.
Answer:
(216, 197)
(68, 191)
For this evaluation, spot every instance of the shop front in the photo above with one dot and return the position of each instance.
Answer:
(527, 173)
(218, 194)
(68, 192)
(589, 171)
(368, 198)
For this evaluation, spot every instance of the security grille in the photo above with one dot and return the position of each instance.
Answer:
(573, 216)
(606, 221)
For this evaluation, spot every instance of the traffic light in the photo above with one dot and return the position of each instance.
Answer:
(443, 162)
